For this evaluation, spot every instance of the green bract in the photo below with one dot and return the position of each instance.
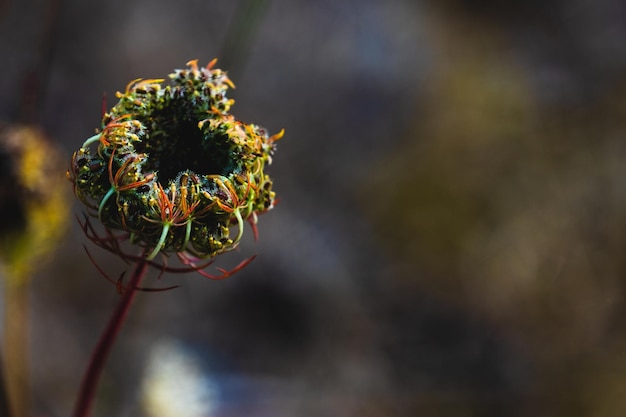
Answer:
(173, 168)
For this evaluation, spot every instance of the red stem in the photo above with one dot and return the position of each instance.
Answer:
(107, 339)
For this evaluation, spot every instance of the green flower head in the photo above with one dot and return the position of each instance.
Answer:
(172, 169)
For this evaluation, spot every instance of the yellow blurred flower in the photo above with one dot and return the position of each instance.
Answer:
(34, 205)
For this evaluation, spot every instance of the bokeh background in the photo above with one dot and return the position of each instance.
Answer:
(450, 235)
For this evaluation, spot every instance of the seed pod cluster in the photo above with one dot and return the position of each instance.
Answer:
(173, 168)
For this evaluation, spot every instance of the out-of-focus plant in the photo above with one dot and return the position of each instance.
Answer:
(171, 172)
(33, 204)
(33, 216)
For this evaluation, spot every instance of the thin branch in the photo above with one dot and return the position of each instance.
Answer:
(107, 339)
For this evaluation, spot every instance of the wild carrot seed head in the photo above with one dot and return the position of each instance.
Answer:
(173, 168)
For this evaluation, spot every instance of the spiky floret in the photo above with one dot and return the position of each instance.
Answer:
(173, 169)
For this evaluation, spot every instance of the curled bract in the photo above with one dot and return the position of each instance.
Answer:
(173, 168)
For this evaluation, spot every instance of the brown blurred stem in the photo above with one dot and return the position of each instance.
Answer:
(107, 339)
(242, 31)
(14, 381)
(16, 345)
(35, 81)
(4, 401)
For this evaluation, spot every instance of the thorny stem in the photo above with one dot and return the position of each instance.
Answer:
(107, 339)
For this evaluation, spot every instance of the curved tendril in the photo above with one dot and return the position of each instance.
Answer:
(104, 200)
(160, 243)
(190, 250)
(92, 139)
(239, 226)
(187, 234)
(250, 205)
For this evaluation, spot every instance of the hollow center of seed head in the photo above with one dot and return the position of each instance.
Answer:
(175, 144)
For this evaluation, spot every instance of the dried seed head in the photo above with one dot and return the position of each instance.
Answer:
(173, 169)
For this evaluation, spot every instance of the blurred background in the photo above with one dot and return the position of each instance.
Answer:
(450, 235)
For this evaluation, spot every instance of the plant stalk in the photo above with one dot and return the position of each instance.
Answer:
(107, 339)
(16, 345)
